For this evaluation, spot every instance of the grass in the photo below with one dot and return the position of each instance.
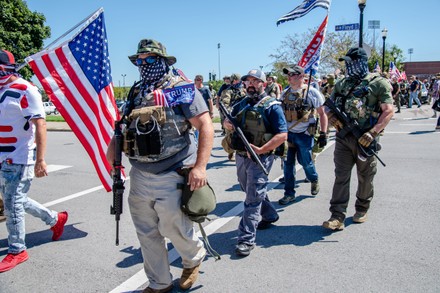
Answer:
(54, 118)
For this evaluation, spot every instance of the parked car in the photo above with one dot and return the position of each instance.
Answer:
(423, 95)
(49, 108)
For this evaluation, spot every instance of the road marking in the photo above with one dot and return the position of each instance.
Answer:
(138, 279)
(53, 168)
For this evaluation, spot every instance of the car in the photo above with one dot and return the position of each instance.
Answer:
(49, 108)
(423, 95)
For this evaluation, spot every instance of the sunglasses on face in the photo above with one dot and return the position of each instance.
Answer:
(147, 60)
(292, 74)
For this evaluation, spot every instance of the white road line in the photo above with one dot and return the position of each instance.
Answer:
(54, 168)
(137, 280)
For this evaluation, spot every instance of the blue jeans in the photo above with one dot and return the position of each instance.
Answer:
(302, 149)
(414, 96)
(15, 181)
(253, 181)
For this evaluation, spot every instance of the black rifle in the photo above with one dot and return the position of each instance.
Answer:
(243, 138)
(352, 126)
(118, 183)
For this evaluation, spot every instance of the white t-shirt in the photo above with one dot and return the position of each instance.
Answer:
(316, 99)
(20, 101)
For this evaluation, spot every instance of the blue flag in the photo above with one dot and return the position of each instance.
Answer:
(303, 9)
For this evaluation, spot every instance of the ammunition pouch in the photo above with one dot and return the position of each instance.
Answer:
(145, 114)
(281, 151)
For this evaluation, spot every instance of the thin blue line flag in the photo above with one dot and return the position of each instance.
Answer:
(303, 9)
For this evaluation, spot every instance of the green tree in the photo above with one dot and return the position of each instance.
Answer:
(22, 31)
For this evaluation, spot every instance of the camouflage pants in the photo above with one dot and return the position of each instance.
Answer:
(345, 157)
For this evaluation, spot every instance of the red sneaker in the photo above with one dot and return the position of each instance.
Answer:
(58, 228)
(11, 260)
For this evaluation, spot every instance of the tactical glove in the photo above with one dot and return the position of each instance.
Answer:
(367, 138)
(322, 139)
(333, 121)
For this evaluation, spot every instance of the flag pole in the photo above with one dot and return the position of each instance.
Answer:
(65, 34)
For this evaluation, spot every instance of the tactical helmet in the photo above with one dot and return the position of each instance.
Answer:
(152, 46)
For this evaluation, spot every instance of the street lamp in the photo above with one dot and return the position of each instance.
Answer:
(123, 83)
(362, 4)
(384, 36)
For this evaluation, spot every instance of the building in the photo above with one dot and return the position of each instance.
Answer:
(422, 69)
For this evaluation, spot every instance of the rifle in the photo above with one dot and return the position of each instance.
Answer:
(352, 126)
(118, 183)
(243, 138)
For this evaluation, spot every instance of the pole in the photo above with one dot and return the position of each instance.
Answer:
(123, 84)
(361, 24)
(383, 54)
(219, 72)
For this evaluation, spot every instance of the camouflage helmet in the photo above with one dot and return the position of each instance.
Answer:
(152, 46)
(331, 79)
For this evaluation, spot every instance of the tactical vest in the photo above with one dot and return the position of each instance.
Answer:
(252, 120)
(296, 106)
(232, 95)
(155, 133)
(358, 102)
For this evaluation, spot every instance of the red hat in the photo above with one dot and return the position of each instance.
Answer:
(6, 58)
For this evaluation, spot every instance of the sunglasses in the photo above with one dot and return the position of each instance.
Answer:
(147, 60)
(292, 74)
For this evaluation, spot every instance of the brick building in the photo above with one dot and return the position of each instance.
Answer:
(425, 69)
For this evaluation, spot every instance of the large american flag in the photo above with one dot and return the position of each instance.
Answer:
(394, 72)
(76, 75)
(305, 7)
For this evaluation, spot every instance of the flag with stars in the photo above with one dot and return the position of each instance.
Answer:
(76, 76)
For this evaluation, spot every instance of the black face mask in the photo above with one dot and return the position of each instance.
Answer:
(357, 68)
(152, 73)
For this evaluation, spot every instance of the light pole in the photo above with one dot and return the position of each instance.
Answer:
(384, 36)
(219, 72)
(410, 51)
(123, 83)
(362, 4)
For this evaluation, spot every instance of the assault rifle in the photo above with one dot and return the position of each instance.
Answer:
(243, 138)
(118, 183)
(352, 126)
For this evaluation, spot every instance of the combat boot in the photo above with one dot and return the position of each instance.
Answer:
(334, 224)
(315, 187)
(360, 217)
(189, 277)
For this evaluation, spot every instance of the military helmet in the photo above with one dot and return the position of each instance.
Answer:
(152, 46)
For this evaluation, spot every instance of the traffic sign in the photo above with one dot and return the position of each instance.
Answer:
(347, 27)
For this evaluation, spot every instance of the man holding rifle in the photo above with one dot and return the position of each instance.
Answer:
(364, 102)
(262, 121)
(161, 146)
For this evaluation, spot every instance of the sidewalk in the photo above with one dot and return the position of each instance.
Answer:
(423, 112)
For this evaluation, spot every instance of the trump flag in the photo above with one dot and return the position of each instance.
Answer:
(76, 75)
(312, 54)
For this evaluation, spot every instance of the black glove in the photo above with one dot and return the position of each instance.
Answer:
(322, 139)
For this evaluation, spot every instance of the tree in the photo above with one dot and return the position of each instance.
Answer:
(22, 32)
(336, 44)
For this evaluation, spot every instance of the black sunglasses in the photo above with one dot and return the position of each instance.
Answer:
(147, 60)
(292, 74)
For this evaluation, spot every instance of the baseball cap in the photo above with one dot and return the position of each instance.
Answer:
(257, 73)
(7, 59)
(355, 54)
(295, 69)
(152, 46)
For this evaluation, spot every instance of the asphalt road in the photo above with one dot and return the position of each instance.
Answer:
(396, 250)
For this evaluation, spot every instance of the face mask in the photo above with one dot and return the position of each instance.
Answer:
(152, 73)
(357, 68)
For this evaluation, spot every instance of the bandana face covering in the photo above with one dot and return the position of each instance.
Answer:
(152, 73)
(357, 68)
(4, 77)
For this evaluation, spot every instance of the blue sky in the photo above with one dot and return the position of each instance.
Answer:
(246, 29)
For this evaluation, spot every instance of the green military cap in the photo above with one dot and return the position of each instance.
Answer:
(152, 46)
(235, 76)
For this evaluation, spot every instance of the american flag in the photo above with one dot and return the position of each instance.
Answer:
(76, 75)
(303, 9)
(394, 72)
(377, 67)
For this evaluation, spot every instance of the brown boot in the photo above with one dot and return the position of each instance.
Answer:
(189, 277)
(164, 290)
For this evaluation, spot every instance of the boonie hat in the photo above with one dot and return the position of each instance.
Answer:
(7, 59)
(355, 54)
(152, 46)
(296, 69)
(257, 73)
